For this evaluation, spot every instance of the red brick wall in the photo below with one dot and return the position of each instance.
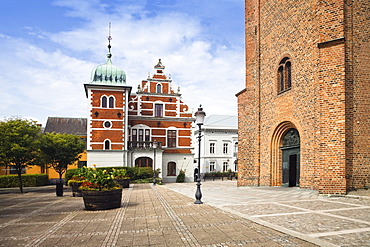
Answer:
(358, 78)
(332, 119)
(330, 82)
(116, 133)
(174, 117)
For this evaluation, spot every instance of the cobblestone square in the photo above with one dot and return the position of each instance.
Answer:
(167, 216)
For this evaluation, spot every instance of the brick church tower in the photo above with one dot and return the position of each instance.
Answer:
(304, 115)
(107, 123)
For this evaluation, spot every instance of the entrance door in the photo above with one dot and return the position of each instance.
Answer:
(291, 159)
(293, 169)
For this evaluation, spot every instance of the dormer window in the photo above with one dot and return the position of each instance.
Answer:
(284, 75)
(159, 88)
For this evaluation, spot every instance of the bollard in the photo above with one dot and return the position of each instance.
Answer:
(59, 188)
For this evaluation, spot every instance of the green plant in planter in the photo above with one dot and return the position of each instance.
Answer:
(119, 173)
(79, 176)
(74, 180)
(99, 180)
(121, 178)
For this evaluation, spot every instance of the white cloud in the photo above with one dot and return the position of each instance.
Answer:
(42, 82)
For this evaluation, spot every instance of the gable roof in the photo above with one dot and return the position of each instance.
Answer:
(64, 125)
(221, 121)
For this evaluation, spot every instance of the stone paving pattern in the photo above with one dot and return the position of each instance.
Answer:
(149, 216)
(167, 216)
(324, 220)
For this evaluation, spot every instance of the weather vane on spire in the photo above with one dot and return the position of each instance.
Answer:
(109, 38)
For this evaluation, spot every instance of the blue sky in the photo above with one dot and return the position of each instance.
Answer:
(48, 49)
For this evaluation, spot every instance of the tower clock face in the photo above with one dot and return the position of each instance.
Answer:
(107, 124)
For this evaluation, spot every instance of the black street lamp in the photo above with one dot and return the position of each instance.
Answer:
(199, 119)
(155, 144)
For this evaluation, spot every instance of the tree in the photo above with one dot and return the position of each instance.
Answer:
(18, 144)
(60, 150)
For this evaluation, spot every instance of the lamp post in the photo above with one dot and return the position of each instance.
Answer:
(155, 144)
(199, 119)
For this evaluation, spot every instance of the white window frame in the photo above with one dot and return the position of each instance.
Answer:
(212, 166)
(212, 147)
(225, 165)
(225, 148)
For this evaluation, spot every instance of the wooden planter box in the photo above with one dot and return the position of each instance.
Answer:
(125, 183)
(75, 191)
(102, 200)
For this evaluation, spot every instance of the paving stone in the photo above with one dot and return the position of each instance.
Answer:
(319, 205)
(352, 239)
(362, 214)
(313, 223)
(149, 216)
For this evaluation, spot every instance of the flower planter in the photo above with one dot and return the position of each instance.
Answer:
(75, 191)
(102, 200)
(125, 183)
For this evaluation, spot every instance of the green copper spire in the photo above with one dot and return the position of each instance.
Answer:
(108, 74)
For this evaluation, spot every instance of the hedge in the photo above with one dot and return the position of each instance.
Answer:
(219, 174)
(134, 173)
(28, 180)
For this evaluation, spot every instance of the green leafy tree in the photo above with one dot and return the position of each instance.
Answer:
(60, 150)
(19, 144)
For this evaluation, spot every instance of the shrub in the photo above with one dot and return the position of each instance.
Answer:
(180, 177)
(134, 173)
(119, 173)
(29, 180)
(143, 181)
(148, 180)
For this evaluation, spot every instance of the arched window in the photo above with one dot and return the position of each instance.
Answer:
(288, 70)
(171, 169)
(104, 101)
(107, 145)
(144, 162)
(284, 75)
(140, 136)
(281, 78)
(159, 88)
(111, 102)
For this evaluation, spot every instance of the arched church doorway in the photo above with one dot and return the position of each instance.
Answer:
(290, 158)
(144, 162)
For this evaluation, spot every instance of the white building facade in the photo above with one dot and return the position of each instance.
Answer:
(219, 144)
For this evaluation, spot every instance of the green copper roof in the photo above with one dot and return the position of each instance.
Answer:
(108, 74)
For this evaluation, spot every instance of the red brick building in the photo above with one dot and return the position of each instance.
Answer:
(122, 125)
(304, 113)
